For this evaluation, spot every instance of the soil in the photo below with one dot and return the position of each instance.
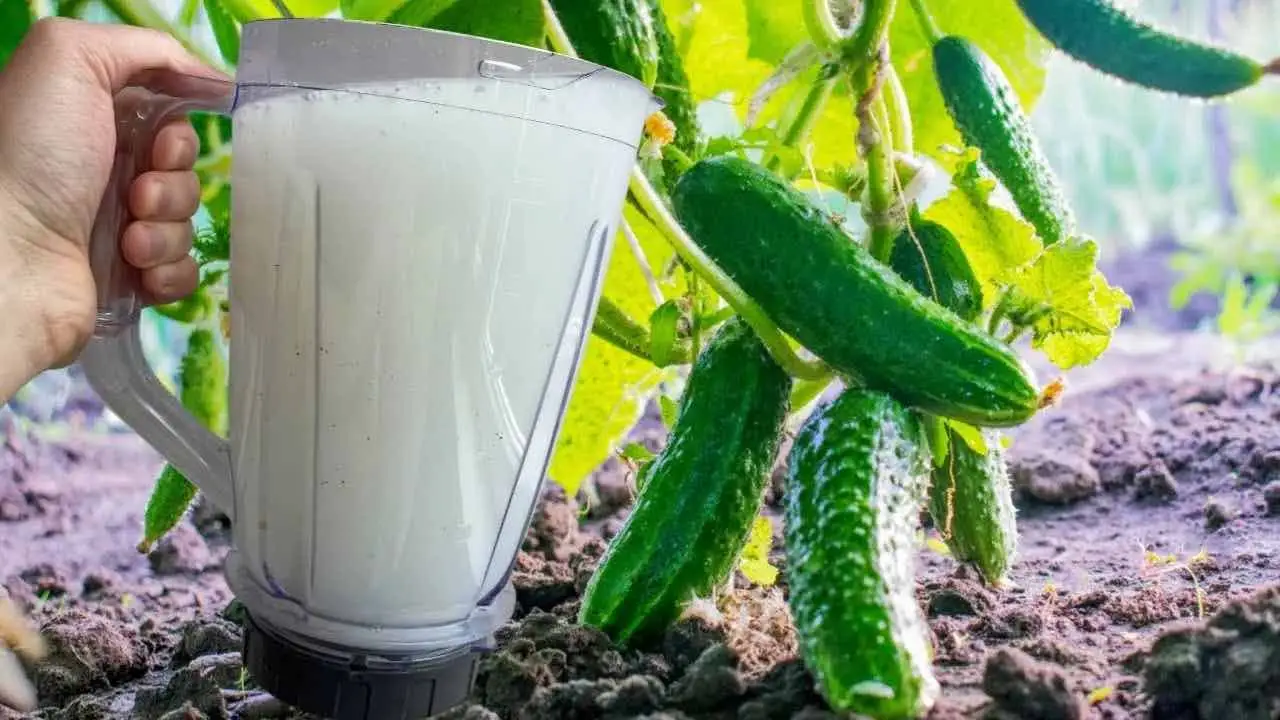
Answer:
(1147, 582)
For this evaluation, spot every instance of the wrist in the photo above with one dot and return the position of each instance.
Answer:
(24, 346)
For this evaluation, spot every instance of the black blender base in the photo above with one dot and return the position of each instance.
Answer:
(339, 690)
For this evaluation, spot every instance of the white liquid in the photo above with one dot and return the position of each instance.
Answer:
(402, 276)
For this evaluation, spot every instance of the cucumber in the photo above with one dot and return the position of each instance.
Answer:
(1112, 40)
(857, 476)
(831, 295)
(929, 257)
(986, 111)
(673, 87)
(971, 503)
(615, 33)
(694, 513)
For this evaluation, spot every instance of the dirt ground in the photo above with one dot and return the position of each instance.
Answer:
(1147, 584)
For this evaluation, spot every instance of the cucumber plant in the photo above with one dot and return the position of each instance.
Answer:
(789, 255)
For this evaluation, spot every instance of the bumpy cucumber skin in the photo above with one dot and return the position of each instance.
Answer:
(929, 257)
(986, 111)
(701, 494)
(1114, 41)
(831, 295)
(615, 33)
(858, 473)
(971, 503)
(673, 87)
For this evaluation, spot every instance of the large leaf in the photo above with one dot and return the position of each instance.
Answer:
(713, 35)
(999, 29)
(774, 28)
(15, 18)
(225, 30)
(513, 21)
(612, 386)
(414, 12)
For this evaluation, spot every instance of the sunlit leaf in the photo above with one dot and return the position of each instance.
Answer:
(1075, 310)
(513, 21)
(414, 12)
(613, 386)
(774, 28)
(754, 563)
(994, 239)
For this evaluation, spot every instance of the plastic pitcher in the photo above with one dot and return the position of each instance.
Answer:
(420, 223)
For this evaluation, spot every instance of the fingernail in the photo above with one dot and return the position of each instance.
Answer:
(16, 690)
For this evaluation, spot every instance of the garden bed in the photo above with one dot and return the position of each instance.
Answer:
(1149, 508)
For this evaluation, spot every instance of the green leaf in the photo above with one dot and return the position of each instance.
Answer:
(613, 386)
(713, 35)
(669, 409)
(417, 13)
(664, 333)
(16, 18)
(636, 452)
(225, 30)
(994, 239)
(754, 563)
(971, 435)
(1070, 307)
(193, 308)
(774, 28)
(1002, 32)
(513, 21)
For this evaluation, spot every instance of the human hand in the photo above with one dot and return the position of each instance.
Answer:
(57, 147)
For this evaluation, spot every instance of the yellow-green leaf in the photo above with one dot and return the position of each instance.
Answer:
(613, 386)
(999, 29)
(994, 239)
(1075, 309)
(774, 28)
(754, 563)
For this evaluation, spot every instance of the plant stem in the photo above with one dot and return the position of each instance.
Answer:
(144, 14)
(637, 251)
(864, 45)
(874, 143)
(555, 31)
(898, 111)
(927, 26)
(808, 114)
(752, 313)
(822, 27)
(613, 325)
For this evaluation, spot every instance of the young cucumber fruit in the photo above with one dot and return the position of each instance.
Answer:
(970, 497)
(673, 87)
(971, 503)
(929, 257)
(1113, 41)
(827, 291)
(615, 33)
(986, 111)
(858, 473)
(700, 495)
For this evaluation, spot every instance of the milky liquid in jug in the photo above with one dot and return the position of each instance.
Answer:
(401, 282)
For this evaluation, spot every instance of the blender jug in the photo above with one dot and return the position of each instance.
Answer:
(420, 222)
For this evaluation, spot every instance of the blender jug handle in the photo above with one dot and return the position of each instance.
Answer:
(113, 359)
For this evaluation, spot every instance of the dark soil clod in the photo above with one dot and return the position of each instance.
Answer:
(1024, 688)
(1228, 668)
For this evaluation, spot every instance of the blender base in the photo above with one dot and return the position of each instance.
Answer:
(349, 690)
